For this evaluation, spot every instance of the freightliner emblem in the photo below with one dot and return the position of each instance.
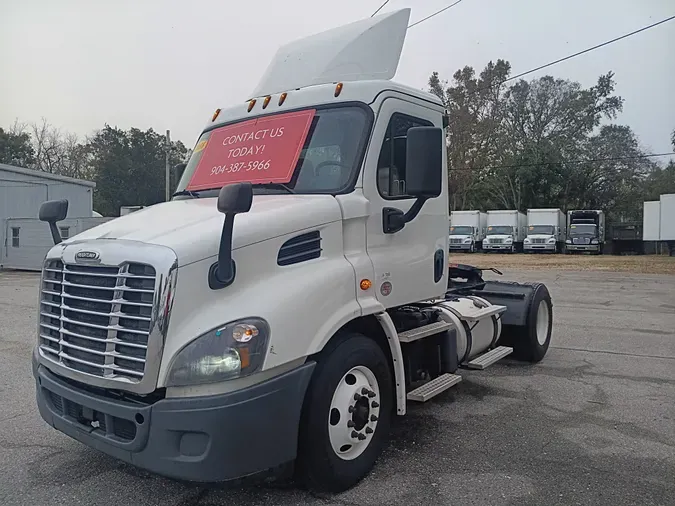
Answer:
(86, 256)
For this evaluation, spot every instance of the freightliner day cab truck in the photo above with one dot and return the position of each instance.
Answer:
(585, 231)
(467, 230)
(295, 293)
(505, 231)
(545, 231)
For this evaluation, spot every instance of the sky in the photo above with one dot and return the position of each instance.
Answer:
(168, 64)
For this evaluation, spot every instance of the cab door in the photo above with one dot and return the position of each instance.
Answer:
(410, 265)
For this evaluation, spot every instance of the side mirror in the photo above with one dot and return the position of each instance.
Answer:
(424, 162)
(233, 199)
(52, 212)
(178, 170)
(425, 149)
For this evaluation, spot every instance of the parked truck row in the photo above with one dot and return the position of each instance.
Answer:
(540, 230)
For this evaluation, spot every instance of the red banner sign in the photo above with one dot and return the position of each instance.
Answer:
(262, 150)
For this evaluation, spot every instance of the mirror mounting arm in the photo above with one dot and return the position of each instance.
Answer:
(393, 220)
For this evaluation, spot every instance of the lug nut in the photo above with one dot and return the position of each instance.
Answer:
(355, 434)
(373, 418)
(365, 391)
(369, 430)
(357, 397)
(351, 424)
(362, 437)
(351, 409)
(375, 404)
(371, 394)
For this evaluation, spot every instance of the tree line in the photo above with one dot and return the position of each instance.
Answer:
(547, 142)
(128, 166)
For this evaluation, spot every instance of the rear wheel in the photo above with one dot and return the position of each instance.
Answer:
(531, 341)
(346, 415)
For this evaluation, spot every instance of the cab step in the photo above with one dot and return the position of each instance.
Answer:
(478, 313)
(489, 358)
(421, 332)
(434, 387)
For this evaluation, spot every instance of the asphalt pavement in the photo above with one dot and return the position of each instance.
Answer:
(593, 423)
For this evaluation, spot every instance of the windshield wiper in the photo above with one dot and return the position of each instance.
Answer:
(278, 185)
(186, 192)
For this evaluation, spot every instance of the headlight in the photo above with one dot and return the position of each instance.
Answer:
(467, 241)
(508, 240)
(226, 352)
(526, 241)
(485, 241)
(568, 241)
(551, 241)
(594, 241)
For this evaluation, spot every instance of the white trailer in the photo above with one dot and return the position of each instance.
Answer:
(546, 230)
(293, 296)
(658, 226)
(506, 231)
(467, 230)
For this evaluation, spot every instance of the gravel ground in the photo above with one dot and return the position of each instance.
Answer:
(594, 423)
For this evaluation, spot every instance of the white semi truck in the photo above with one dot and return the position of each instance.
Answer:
(467, 230)
(506, 231)
(294, 294)
(585, 231)
(546, 231)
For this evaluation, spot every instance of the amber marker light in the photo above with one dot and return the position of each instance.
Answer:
(266, 102)
(338, 89)
(251, 103)
(215, 115)
(365, 284)
(282, 98)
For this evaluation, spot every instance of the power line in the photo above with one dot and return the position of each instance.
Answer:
(588, 49)
(379, 8)
(588, 160)
(434, 14)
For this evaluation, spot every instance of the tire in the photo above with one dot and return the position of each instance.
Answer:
(530, 342)
(473, 248)
(319, 467)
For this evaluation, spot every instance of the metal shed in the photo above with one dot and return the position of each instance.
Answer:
(24, 240)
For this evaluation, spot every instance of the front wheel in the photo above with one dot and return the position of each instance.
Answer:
(346, 415)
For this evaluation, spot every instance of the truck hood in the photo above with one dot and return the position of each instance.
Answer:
(499, 236)
(192, 228)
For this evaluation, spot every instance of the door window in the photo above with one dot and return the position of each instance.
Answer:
(391, 164)
(15, 237)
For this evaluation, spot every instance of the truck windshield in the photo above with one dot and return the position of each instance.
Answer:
(541, 229)
(500, 230)
(584, 229)
(306, 151)
(461, 230)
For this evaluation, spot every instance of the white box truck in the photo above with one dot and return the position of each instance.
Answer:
(295, 293)
(667, 222)
(506, 231)
(467, 230)
(546, 231)
(585, 231)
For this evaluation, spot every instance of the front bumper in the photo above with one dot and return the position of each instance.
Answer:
(498, 247)
(582, 247)
(204, 439)
(461, 246)
(539, 247)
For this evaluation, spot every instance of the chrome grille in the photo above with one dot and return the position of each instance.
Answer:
(537, 240)
(97, 319)
(497, 240)
(455, 241)
(581, 240)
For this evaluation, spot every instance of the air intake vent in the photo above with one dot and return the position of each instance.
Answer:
(300, 249)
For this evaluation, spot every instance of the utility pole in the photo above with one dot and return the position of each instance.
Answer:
(167, 152)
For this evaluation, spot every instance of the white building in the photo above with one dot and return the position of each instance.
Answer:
(24, 240)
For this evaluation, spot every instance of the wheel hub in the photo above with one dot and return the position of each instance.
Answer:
(354, 413)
